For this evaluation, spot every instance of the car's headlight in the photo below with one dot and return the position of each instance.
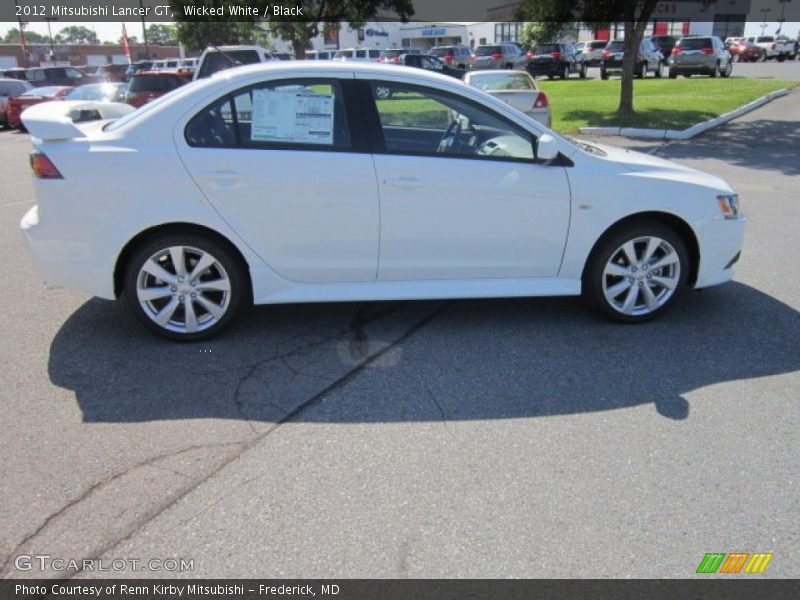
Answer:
(729, 205)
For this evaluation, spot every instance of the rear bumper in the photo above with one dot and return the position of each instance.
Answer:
(63, 260)
(553, 68)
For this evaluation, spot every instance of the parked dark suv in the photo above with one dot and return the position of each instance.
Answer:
(555, 60)
(453, 56)
(41, 76)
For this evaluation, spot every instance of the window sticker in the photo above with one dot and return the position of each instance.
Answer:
(292, 116)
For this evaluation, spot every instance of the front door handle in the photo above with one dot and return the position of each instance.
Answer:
(403, 182)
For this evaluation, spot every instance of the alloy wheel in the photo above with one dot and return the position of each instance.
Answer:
(641, 276)
(183, 289)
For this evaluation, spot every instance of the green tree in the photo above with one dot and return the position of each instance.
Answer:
(162, 35)
(634, 13)
(200, 35)
(132, 39)
(31, 37)
(76, 34)
(295, 29)
(534, 33)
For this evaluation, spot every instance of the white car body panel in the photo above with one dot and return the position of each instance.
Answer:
(304, 239)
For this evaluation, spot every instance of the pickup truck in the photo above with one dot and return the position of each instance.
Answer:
(774, 47)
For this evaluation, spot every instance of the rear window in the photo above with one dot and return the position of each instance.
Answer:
(493, 82)
(442, 51)
(762, 39)
(154, 83)
(548, 48)
(219, 61)
(597, 45)
(616, 46)
(695, 43)
(487, 50)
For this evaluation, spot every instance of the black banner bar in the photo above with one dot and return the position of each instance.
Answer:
(724, 588)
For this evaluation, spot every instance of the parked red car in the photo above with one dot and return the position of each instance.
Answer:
(41, 94)
(145, 86)
(743, 50)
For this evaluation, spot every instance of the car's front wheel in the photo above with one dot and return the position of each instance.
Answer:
(185, 287)
(637, 273)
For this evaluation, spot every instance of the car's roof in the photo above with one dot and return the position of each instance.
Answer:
(334, 68)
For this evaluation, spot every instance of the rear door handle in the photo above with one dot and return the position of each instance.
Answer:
(403, 182)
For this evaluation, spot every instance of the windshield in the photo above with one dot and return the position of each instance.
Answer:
(102, 91)
(487, 50)
(441, 51)
(42, 91)
(491, 82)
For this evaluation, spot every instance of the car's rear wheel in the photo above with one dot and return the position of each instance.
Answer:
(603, 74)
(659, 70)
(185, 287)
(716, 71)
(673, 74)
(583, 71)
(565, 72)
(728, 70)
(637, 273)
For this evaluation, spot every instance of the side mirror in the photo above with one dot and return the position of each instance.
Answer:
(546, 147)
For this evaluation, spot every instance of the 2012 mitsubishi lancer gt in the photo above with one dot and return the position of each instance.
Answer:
(298, 182)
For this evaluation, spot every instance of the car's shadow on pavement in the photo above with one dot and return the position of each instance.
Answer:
(492, 359)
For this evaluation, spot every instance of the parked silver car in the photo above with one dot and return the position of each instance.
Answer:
(497, 56)
(515, 88)
(705, 55)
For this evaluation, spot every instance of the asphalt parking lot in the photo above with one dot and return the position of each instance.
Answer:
(502, 438)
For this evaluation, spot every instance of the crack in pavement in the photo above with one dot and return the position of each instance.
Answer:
(243, 446)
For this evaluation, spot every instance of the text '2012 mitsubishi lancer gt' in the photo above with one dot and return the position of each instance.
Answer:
(298, 182)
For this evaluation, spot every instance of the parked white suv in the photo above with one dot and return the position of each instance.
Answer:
(774, 48)
(363, 54)
(219, 58)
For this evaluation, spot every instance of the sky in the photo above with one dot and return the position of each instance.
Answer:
(113, 31)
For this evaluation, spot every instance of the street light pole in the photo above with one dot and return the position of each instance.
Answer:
(22, 36)
(144, 33)
(50, 35)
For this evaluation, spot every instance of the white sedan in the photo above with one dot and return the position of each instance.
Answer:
(292, 182)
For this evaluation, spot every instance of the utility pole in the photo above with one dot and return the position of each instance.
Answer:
(144, 33)
(763, 26)
(22, 36)
(50, 35)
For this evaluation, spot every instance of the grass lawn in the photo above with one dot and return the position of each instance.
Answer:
(659, 103)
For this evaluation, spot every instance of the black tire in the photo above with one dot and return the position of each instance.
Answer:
(237, 297)
(673, 74)
(583, 71)
(641, 71)
(716, 71)
(728, 70)
(509, 66)
(659, 73)
(603, 74)
(688, 75)
(608, 246)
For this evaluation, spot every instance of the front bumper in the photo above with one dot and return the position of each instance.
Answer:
(63, 260)
(721, 243)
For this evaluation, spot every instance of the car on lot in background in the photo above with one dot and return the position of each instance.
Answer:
(141, 65)
(556, 60)
(790, 46)
(497, 56)
(283, 55)
(700, 55)
(456, 56)
(665, 44)
(111, 72)
(219, 58)
(648, 59)
(449, 193)
(430, 63)
(96, 101)
(58, 76)
(358, 54)
(319, 54)
(515, 88)
(146, 86)
(593, 52)
(392, 55)
(33, 96)
(773, 48)
(10, 87)
(744, 51)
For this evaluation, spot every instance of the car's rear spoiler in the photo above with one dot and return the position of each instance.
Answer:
(56, 120)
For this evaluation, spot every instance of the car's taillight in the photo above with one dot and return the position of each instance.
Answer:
(555, 55)
(529, 54)
(395, 59)
(496, 56)
(676, 51)
(448, 57)
(43, 167)
(541, 101)
(472, 57)
(606, 52)
(708, 51)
